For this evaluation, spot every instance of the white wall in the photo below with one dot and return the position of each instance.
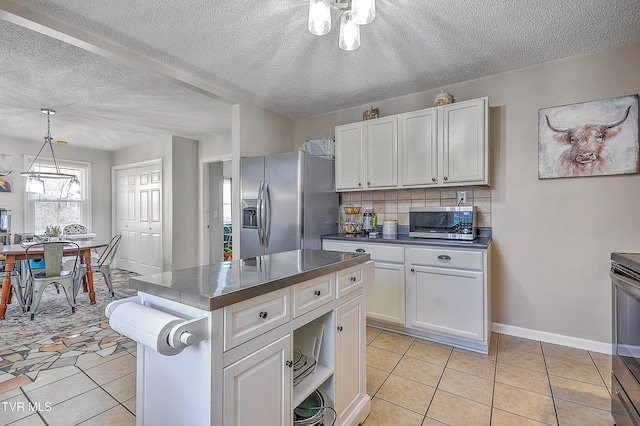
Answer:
(100, 189)
(552, 239)
(184, 201)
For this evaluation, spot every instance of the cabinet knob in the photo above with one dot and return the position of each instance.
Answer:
(445, 178)
(433, 179)
(353, 279)
(359, 184)
(263, 314)
(339, 328)
(368, 183)
(317, 292)
(413, 270)
(289, 363)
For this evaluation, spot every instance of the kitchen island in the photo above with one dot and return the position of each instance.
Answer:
(252, 320)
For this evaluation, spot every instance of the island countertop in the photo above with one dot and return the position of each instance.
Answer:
(214, 286)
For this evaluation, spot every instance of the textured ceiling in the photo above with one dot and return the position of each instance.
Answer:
(261, 51)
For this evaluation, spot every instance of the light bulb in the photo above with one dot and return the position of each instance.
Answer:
(363, 11)
(319, 17)
(349, 32)
(35, 185)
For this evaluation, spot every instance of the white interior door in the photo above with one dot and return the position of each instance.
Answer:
(139, 218)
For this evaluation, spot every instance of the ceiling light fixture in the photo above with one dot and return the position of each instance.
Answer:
(35, 182)
(354, 14)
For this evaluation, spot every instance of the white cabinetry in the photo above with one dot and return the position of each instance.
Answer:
(441, 294)
(465, 142)
(366, 154)
(350, 355)
(258, 387)
(449, 293)
(386, 299)
(441, 146)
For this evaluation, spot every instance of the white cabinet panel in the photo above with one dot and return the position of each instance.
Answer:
(448, 302)
(258, 387)
(419, 148)
(349, 157)
(386, 301)
(382, 151)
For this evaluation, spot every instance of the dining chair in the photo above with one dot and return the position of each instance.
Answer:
(38, 279)
(102, 265)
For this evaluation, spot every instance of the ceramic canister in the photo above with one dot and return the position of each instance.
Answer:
(389, 227)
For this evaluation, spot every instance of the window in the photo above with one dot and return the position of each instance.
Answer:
(58, 205)
(226, 200)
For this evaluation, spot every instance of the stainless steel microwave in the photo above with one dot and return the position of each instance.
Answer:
(451, 223)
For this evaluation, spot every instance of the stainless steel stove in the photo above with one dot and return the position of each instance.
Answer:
(625, 377)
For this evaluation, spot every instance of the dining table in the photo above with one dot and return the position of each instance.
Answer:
(17, 252)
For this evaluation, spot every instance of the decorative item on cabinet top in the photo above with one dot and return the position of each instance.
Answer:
(371, 114)
(443, 98)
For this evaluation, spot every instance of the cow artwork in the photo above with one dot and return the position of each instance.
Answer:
(589, 139)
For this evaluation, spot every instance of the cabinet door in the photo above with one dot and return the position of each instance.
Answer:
(349, 157)
(386, 300)
(382, 152)
(350, 357)
(258, 387)
(465, 142)
(419, 148)
(448, 302)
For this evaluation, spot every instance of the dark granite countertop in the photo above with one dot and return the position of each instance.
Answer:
(214, 286)
(481, 242)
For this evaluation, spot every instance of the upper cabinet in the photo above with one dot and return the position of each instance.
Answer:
(366, 154)
(441, 146)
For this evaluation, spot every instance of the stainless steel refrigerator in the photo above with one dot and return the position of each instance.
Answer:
(288, 201)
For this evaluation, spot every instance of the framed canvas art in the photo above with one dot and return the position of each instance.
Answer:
(595, 138)
(6, 173)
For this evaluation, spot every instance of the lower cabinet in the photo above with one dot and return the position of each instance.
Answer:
(258, 387)
(386, 297)
(438, 293)
(350, 354)
(448, 302)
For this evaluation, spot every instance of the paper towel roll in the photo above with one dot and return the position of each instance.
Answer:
(147, 326)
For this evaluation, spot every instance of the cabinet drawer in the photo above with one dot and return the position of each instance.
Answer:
(378, 252)
(313, 293)
(247, 319)
(459, 259)
(350, 280)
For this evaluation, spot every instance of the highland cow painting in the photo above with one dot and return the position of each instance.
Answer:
(6, 173)
(595, 138)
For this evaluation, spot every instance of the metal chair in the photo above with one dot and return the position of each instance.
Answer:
(38, 279)
(102, 265)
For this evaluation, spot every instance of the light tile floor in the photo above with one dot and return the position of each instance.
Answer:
(89, 378)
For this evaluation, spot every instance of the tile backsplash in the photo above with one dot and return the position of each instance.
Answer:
(394, 203)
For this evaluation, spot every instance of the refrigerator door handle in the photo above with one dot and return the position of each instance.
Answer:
(267, 217)
(260, 213)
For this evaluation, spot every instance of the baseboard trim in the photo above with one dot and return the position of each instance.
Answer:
(558, 339)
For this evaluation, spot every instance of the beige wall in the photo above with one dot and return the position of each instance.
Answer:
(552, 239)
(100, 182)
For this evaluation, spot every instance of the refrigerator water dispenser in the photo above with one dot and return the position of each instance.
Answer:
(249, 213)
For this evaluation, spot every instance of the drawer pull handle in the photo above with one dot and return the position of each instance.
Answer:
(359, 250)
(289, 363)
(317, 292)
(339, 328)
(263, 314)
(444, 257)
(353, 279)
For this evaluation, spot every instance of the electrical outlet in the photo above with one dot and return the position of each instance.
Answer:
(462, 197)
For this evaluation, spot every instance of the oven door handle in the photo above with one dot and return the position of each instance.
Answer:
(628, 284)
(626, 405)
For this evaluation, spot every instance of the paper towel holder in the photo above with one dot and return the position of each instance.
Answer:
(182, 335)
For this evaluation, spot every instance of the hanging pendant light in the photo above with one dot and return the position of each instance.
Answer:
(363, 11)
(349, 32)
(354, 13)
(35, 182)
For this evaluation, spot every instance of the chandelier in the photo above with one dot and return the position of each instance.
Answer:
(354, 14)
(35, 182)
